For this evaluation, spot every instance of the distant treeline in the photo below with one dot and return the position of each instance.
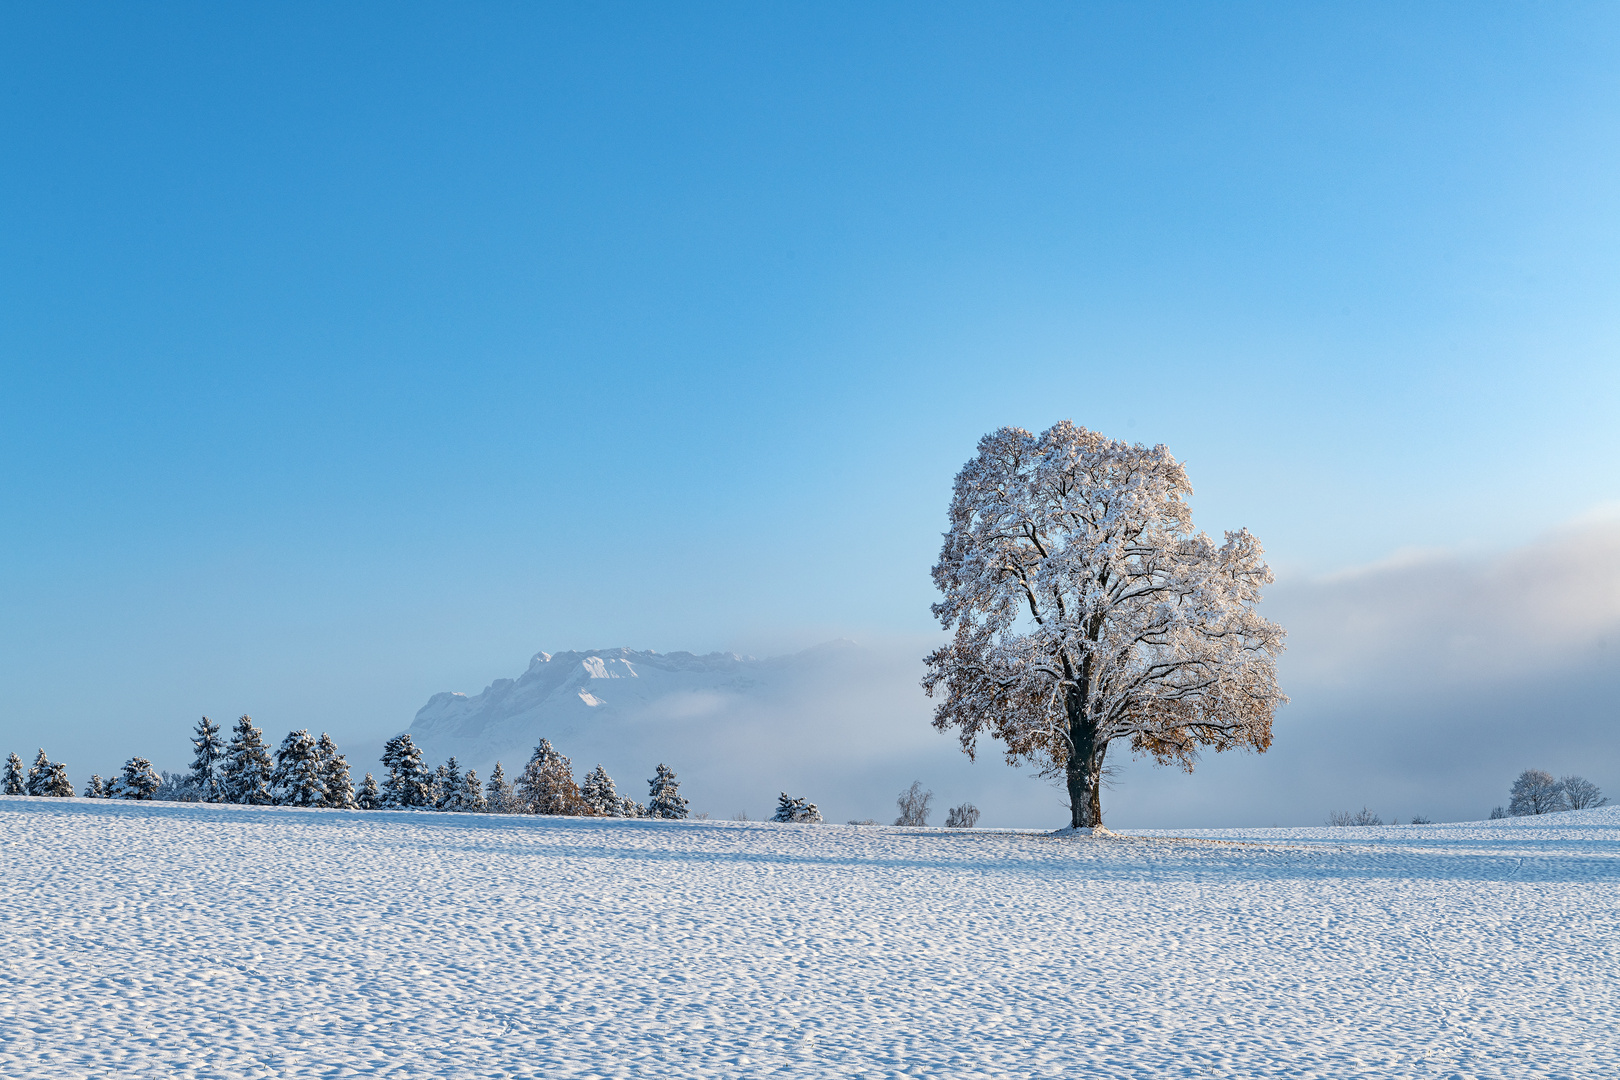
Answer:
(309, 771)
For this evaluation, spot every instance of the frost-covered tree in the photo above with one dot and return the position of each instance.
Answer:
(1536, 792)
(1085, 610)
(57, 785)
(498, 794)
(39, 775)
(472, 794)
(600, 794)
(448, 785)
(629, 808)
(337, 788)
(176, 787)
(913, 805)
(140, 780)
(409, 783)
(1580, 793)
(15, 778)
(244, 775)
(208, 753)
(1497, 813)
(547, 785)
(297, 780)
(962, 817)
(664, 795)
(795, 811)
(368, 797)
(95, 789)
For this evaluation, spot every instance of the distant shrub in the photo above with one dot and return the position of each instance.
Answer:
(1419, 819)
(913, 804)
(1363, 816)
(962, 817)
(1498, 814)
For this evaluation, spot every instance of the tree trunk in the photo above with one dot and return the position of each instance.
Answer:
(1084, 769)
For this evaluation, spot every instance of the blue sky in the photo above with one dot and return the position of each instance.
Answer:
(352, 353)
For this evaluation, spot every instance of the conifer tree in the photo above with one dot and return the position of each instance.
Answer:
(38, 776)
(600, 795)
(205, 764)
(368, 797)
(409, 781)
(472, 794)
(94, 789)
(547, 785)
(628, 807)
(336, 786)
(15, 777)
(796, 811)
(57, 784)
(297, 780)
(140, 780)
(245, 775)
(498, 793)
(664, 799)
(448, 784)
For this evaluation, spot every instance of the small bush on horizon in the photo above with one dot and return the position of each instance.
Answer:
(1363, 816)
(962, 817)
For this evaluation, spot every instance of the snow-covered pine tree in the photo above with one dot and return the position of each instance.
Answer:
(38, 776)
(95, 789)
(297, 780)
(498, 793)
(205, 763)
(244, 776)
(796, 811)
(1084, 610)
(57, 785)
(449, 785)
(600, 795)
(547, 784)
(337, 788)
(628, 807)
(472, 794)
(368, 797)
(409, 781)
(15, 777)
(664, 799)
(140, 780)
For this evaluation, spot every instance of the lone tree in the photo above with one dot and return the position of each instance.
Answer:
(1085, 609)
(1536, 792)
(664, 795)
(15, 777)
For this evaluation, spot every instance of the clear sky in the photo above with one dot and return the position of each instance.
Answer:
(354, 352)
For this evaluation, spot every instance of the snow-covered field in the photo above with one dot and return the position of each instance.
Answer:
(176, 941)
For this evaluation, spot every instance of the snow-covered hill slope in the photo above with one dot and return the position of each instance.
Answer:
(195, 941)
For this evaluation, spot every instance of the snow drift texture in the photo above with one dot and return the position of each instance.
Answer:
(157, 941)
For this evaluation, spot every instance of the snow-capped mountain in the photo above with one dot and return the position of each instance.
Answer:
(574, 694)
(839, 724)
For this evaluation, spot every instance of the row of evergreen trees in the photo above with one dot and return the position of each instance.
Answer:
(309, 771)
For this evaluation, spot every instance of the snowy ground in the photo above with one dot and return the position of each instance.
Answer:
(229, 942)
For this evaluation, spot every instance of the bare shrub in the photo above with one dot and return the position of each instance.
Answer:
(1363, 816)
(962, 817)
